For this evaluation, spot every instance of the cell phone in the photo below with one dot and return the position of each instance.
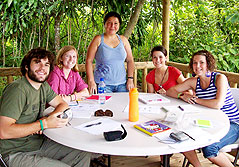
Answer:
(64, 115)
(179, 136)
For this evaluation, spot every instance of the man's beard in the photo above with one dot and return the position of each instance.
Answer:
(33, 77)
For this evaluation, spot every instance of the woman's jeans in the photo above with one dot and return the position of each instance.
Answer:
(230, 138)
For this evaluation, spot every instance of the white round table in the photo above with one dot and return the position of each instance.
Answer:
(136, 142)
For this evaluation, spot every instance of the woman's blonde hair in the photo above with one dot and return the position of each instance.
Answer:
(61, 52)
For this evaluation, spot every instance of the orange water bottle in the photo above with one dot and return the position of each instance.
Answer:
(133, 105)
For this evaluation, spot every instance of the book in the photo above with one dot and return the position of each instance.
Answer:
(96, 97)
(153, 98)
(152, 127)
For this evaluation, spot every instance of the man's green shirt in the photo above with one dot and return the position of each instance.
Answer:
(25, 104)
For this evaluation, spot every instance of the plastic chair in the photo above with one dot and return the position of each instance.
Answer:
(230, 147)
(2, 162)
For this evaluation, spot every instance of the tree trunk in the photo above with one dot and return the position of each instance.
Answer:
(48, 32)
(3, 45)
(39, 33)
(20, 45)
(133, 19)
(57, 32)
(33, 39)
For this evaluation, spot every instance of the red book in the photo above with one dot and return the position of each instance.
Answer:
(96, 97)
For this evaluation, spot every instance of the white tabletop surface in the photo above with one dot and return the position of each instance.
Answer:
(136, 142)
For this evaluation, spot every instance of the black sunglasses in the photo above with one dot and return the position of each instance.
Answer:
(100, 112)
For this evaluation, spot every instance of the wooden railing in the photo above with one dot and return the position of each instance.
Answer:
(233, 78)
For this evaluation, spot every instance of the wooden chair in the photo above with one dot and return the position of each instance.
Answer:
(230, 147)
(2, 162)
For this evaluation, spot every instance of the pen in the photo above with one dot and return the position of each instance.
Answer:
(180, 108)
(98, 123)
(189, 136)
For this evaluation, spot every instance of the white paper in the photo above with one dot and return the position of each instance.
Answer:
(196, 133)
(187, 108)
(153, 98)
(99, 126)
(84, 110)
(145, 109)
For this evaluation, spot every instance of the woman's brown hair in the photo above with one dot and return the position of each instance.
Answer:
(211, 62)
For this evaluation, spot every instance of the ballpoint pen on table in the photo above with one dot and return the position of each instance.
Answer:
(180, 108)
(98, 123)
(189, 136)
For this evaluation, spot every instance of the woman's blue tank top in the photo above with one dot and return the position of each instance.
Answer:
(110, 63)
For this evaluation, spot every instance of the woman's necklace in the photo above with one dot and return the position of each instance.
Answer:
(160, 85)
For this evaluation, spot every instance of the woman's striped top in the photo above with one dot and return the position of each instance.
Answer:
(229, 107)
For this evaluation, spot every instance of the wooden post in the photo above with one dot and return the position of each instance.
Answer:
(144, 86)
(165, 25)
(135, 77)
(9, 79)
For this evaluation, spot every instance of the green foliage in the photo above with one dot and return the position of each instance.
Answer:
(206, 25)
(194, 25)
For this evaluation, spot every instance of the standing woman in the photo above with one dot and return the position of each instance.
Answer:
(163, 77)
(110, 51)
(65, 79)
(213, 91)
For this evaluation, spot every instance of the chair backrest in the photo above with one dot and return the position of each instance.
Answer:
(235, 94)
(2, 163)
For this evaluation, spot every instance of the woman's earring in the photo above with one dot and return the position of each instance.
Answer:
(208, 74)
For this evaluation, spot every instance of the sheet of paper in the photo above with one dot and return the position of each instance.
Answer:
(196, 133)
(84, 110)
(186, 108)
(99, 126)
(145, 109)
(72, 103)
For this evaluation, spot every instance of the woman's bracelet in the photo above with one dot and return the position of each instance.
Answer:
(130, 77)
(41, 124)
(180, 94)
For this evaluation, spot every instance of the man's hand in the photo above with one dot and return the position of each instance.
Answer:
(53, 121)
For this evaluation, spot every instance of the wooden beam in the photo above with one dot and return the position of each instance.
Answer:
(10, 71)
(233, 78)
(165, 25)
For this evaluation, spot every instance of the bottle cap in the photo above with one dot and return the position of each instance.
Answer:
(133, 90)
(101, 79)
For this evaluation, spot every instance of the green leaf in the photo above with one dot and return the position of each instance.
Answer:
(207, 48)
(234, 18)
(233, 51)
(225, 65)
(9, 2)
(30, 2)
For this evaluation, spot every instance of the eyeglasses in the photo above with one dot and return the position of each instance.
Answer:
(100, 112)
